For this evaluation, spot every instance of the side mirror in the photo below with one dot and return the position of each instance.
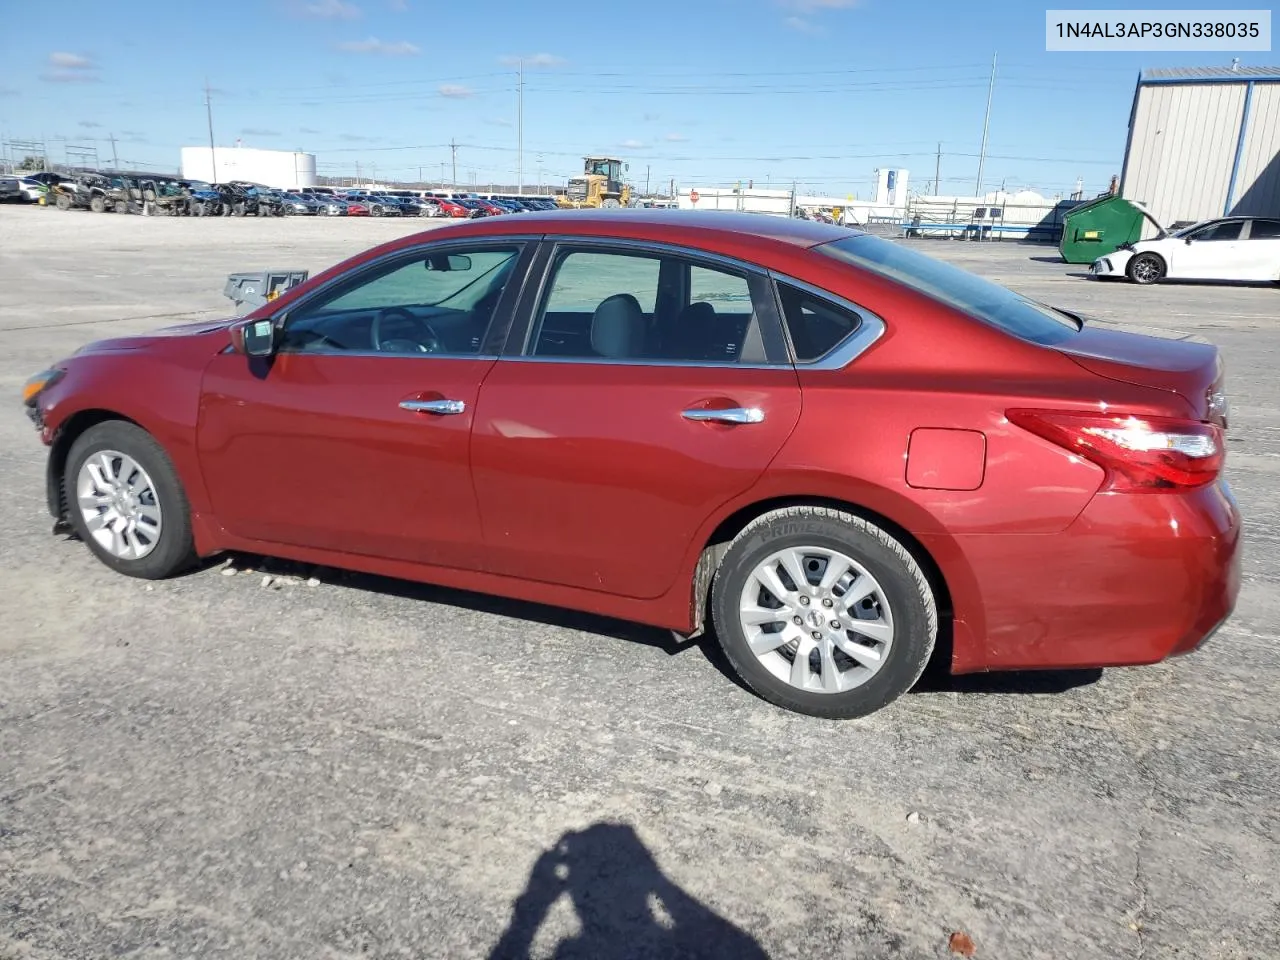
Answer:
(1188, 241)
(256, 338)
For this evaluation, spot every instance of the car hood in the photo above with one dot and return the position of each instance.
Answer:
(1190, 368)
(162, 335)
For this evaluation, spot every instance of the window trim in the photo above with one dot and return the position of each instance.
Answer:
(845, 351)
(499, 324)
(541, 273)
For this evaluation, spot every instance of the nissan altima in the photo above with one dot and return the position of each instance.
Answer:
(837, 455)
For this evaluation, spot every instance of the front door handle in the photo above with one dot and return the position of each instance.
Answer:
(726, 415)
(434, 406)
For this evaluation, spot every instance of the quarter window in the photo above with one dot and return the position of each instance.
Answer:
(645, 306)
(816, 325)
(440, 303)
(1265, 230)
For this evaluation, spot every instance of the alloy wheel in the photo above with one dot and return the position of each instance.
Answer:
(119, 506)
(816, 619)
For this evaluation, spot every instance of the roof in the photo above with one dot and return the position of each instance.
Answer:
(635, 222)
(1208, 74)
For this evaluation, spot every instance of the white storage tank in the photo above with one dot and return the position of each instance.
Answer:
(274, 168)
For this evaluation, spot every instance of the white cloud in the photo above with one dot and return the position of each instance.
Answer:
(534, 60)
(259, 132)
(456, 91)
(500, 122)
(650, 117)
(89, 124)
(801, 25)
(310, 130)
(632, 144)
(71, 61)
(373, 45)
(331, 10)
(675, 138)
(398, 6)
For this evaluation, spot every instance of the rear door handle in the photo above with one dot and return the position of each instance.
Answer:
(434, 406)
(726, 415)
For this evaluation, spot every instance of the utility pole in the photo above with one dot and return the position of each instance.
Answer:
(986, 123)
(520, 127)
(357, 173)
(454, 147)
(937, 172)
(115, 160)
(646, 179)
(208, 109)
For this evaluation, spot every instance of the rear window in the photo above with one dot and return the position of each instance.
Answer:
(989, 302)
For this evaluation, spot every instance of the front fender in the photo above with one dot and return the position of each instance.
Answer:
(160, 393)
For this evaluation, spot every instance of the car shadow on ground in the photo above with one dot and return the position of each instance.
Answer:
(936, 678)
(625, 905)
(1058, 260)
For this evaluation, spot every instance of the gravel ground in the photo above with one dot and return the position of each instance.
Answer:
(235, 766)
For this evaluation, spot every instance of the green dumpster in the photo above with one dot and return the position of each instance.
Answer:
(1099, 227)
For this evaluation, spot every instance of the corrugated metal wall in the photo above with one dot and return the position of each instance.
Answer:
(1182, 146)
(1258, 179)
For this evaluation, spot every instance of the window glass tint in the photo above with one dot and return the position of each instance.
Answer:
(993, 304)
(1222, 231)
(623, 306)
(815, 325)
(440, 303)
(1265, 230)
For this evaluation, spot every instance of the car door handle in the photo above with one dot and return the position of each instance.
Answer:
(434, 406)
(726, 415)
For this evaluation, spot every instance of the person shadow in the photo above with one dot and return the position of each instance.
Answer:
(627, 908)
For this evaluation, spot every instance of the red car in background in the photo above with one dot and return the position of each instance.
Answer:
(356, 209)
(451, 208)
(832, 449)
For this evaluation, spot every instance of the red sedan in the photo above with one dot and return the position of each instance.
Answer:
(835, 450)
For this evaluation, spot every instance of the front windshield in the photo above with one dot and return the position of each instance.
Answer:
(989, 302)
(1191, 229)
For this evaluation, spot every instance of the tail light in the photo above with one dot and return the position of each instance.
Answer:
(1140, 454)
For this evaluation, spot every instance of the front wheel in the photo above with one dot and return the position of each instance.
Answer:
(611, 203)
(125, 501)
(1146, 268)
(823, 613)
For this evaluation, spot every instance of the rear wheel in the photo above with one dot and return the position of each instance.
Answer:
(63, 202)
(1146, 268)
(98, 204)
(126, 503)
(823, 613)
(611, 202)
(122, 206)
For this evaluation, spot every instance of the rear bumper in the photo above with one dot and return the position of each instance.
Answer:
(1134, 580)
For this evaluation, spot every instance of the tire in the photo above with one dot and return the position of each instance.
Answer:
(171, 549)
(63, 202)
(122, 206)
(610, 203)
(1145, 268)
(98, 204)
(898, 594)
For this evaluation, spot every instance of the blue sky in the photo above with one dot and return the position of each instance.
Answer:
(703, 91)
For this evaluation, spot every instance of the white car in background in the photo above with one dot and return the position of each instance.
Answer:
(1230, 248)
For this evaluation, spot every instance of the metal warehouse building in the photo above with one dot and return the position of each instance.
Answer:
(1205, 142)
(274, 168)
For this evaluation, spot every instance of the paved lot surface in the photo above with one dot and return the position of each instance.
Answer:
(209, 767)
